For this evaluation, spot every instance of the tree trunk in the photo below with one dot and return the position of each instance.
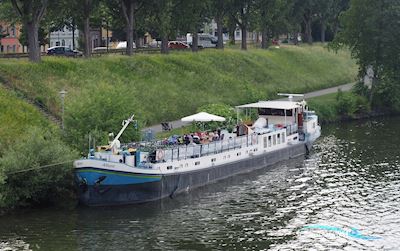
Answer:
(309, 31)
(138, 42)
(73, 35)
(264, 38)
(164, 44)
(220, 42)
(232, 30)
(374, 84)
(195, 41)
(244, 38)
(323, 30)
(87, 5)
(129, 32)
(33, 41)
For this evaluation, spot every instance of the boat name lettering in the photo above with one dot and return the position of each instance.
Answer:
(108, 165)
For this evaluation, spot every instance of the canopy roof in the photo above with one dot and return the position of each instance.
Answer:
(286, 105)
(203, 117)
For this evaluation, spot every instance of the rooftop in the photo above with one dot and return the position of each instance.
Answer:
(287, 105)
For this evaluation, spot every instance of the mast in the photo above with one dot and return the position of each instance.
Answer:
(125, 125)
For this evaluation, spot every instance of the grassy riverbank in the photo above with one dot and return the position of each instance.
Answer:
(104, 91)
(159, 87)
(341, 106)
(29, 141)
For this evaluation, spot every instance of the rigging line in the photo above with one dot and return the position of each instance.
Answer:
(40, 167)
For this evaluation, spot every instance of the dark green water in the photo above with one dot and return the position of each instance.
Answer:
(352, 179)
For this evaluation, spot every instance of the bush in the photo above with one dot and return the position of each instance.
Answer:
(222, 110)
(349, 104)
(99, 112)
(50, 185)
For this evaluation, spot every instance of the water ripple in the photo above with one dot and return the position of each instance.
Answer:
(351, 180)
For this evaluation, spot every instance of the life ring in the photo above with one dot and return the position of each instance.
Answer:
(254, 139)
(159, 154)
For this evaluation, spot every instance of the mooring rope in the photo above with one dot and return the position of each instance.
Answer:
(40, 167)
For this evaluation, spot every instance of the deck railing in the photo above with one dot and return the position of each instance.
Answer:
(180, 152)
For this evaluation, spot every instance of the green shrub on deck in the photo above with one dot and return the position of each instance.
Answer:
(222, 110)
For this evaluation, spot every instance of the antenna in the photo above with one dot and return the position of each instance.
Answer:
(290, 95)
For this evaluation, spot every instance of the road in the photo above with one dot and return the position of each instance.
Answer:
(179, 124)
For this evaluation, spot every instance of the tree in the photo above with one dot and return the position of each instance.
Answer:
(305, 12)
(87, 9)
(159, 21)
(337, 8)
(242, 13)
(42, 36)
(192, 14)
(370, 30)
(31, 13)
(219, 9)
(129, 9)
(328, 12)
(271, 20)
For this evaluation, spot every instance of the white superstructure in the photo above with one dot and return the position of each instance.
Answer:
(280, 124)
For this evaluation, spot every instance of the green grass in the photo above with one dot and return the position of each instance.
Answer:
(16, 117)
(325, 106)
(104, 91)
(161, 88)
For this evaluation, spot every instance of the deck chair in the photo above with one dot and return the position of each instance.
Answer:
(166, 126)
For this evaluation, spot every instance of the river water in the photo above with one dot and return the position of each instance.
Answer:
(350, 180)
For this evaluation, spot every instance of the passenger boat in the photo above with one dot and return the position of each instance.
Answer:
(148, 171)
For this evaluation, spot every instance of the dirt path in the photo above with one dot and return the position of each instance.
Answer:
(347, 87)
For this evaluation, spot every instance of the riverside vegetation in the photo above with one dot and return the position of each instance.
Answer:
(104, 91)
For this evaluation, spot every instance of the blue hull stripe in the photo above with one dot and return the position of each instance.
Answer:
(91, 176)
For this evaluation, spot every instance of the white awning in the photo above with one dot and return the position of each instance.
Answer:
(286, 105)
(202, 117)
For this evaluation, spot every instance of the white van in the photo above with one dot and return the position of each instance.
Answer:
(204, 40)
(122, 45)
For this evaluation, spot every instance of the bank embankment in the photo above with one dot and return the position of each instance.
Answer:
(104, 91)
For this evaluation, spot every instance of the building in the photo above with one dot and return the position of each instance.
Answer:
(64, 37)
(10, 42)
(211, 28)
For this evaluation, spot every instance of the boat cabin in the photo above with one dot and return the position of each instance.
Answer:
(272, 114)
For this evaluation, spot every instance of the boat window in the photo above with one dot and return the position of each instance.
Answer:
(283, 137)
(238, 154)
(169, 167)
(274, 139)
(269, 141)
(213, 159)
(279, 138)
(274, 112)
(197, 163)
(265, 142)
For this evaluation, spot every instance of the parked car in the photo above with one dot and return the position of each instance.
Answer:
(122, 45)
(204, 40)
(63, 51)
(154, 44)
(177, 45)
(100, 49)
